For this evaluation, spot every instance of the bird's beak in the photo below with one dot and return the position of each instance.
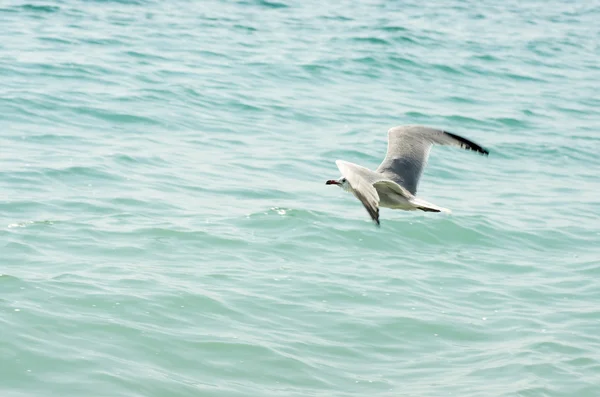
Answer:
(332, 182)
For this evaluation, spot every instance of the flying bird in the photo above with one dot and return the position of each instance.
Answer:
(394, 183)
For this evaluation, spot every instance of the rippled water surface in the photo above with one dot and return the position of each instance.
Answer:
(166, 230)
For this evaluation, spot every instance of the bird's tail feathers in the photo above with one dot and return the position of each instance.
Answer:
(428, 207)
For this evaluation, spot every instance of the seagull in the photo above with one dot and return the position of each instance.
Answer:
(394, 183)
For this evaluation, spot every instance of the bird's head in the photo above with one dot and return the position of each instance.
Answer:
(342, 182)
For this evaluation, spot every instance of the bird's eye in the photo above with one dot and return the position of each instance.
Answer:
(343, 180)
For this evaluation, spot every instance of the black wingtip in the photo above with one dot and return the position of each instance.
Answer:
(372, 210)
(469, 145)
(375, 216)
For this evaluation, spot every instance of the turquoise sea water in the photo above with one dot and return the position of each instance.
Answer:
(165, 228)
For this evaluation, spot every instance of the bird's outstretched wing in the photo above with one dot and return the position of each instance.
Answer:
(408, 151)
(361, 180)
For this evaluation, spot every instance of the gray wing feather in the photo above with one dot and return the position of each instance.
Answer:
(361, 180)
(408, 151)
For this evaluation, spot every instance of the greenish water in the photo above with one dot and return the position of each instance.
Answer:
(165, 228)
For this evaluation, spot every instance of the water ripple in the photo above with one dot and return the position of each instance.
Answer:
(166, 229)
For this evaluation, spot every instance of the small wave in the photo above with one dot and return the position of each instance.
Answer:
(417, 115)
(341, 18)
(145, 56)
(15, 247)
(267, 4)
(397, 60)
(371, 40)
(511, 122)
(394, 29)
(486, 57)
(57, 40)
(447, 69)
(464, 120)
(523, 77)
(245, 28)
(95, 173)
(403, 39)
(38, 8)
(114, 116)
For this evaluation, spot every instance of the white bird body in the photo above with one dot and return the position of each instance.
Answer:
(394, 183)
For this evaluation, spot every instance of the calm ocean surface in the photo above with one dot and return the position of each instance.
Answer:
(166, 231)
